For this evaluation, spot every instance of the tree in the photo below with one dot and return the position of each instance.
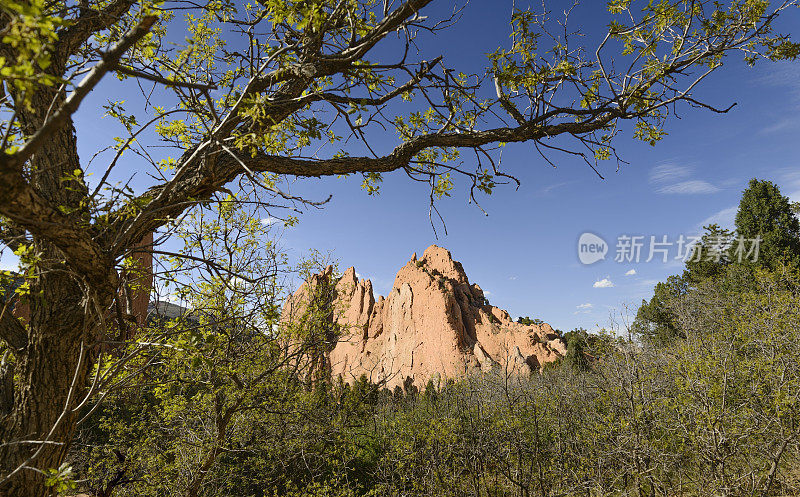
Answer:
(209, 373)
(767, 215)
(739, 340)
(583, 347)
(711, 256)
(259, 92)
(310, 319)
(577, 355)
(431, 392)
(726, 258)
(527, 321)
(655, 320)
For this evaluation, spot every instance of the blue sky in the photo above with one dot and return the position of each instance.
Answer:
(524, 252)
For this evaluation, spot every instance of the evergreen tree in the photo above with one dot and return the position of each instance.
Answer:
(430, 390)
(656, 321)
(711, 256)
(766, 214)
(577, 345)
(397, 393)
(720, 255)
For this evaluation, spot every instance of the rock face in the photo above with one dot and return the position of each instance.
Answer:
(433, 325)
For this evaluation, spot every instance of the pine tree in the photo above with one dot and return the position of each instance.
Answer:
(711, 256)
(576, 350)
(766, 214)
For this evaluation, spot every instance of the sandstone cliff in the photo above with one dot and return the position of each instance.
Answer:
(433, 324)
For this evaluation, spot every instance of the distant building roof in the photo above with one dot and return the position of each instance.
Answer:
(166, 310)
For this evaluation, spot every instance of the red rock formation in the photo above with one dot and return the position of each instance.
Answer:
(433, 324)
(143, 279)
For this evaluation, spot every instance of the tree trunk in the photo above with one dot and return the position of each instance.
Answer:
(59, 326)
(46, 372)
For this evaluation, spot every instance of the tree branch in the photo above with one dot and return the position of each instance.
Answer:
(27, 208)
(128, 71)
(212, 169)
(71, 38)
(409, 85)
(10, 235)
(62, 115)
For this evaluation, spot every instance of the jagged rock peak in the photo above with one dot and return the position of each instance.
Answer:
(438, 260)
(433, 324)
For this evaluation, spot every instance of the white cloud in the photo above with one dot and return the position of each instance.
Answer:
(790, 176)
(786, 124)
(512, 277)
(783, 74)
(239, 283)
(358, 275)
(631, 272)
(172, 299)
(725, 218)
(604, 283)
(269, 220)
(790, 184)
(487, 293)
(587, 305)
(674, 179)
(666, 173)
(550, 188)
(691, 187)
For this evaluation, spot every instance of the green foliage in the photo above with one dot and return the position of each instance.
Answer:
(728, 260)
(584, 348)
(642, 422)
(61, 480)
(710, 256)
(527, 321)
(371, 183)
(239, 89)
(766, 214)
(206, 373)
(32, 33)
(577, 356)
(312, 322)
(655, 320)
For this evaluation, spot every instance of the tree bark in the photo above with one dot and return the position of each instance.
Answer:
(51, 370)
(46, 372)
